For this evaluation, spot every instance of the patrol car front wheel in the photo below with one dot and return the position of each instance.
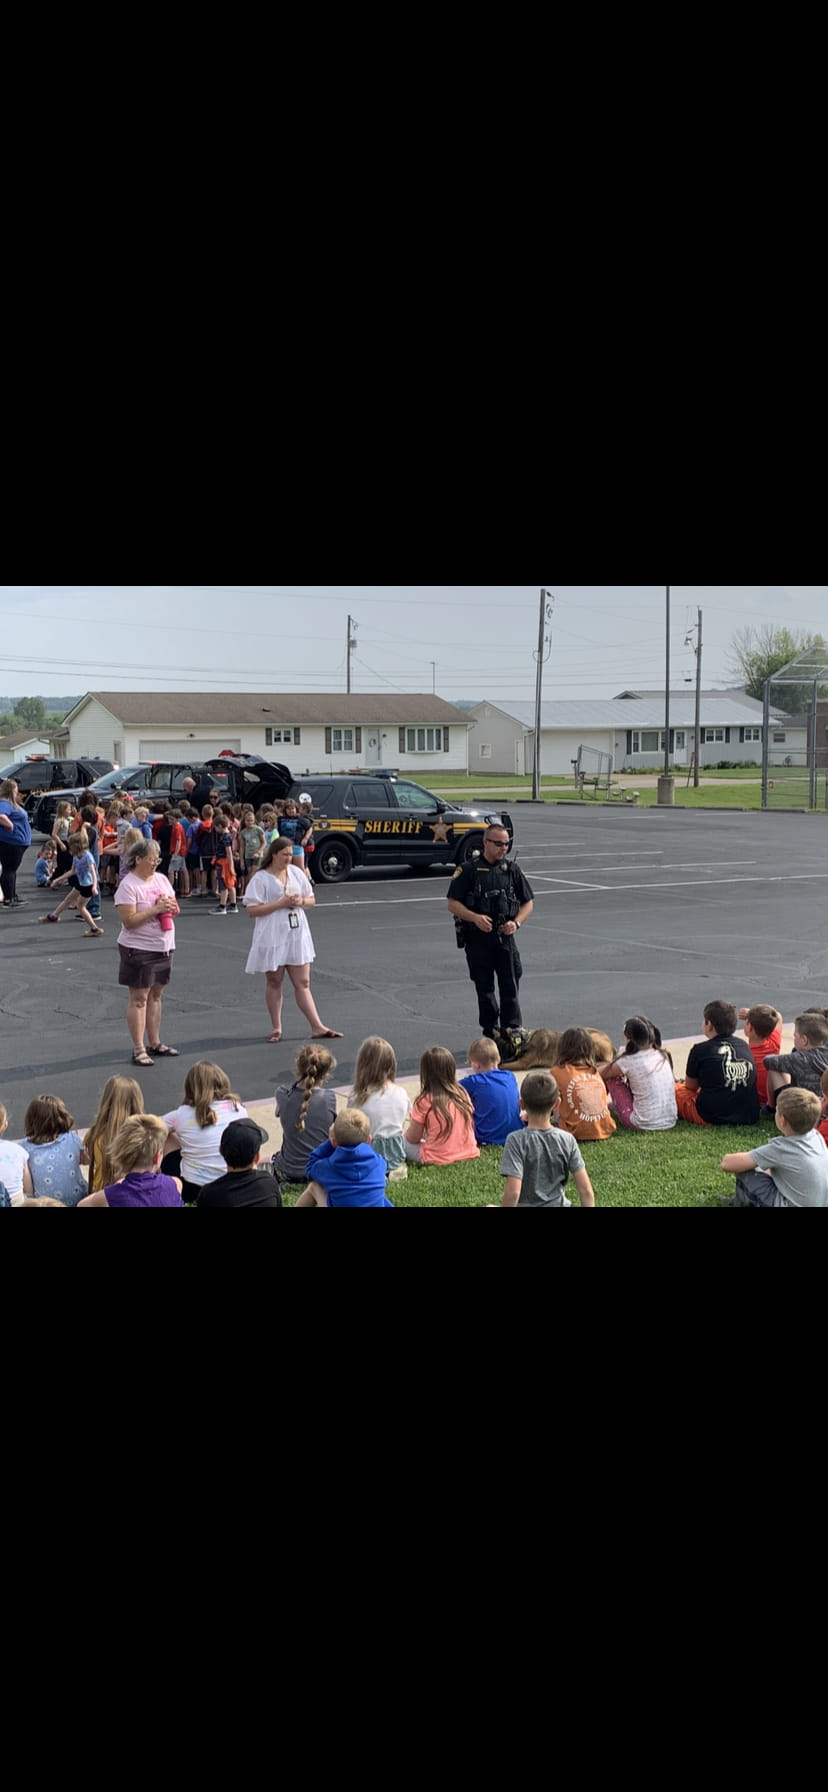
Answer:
(332, 862)
(471, 848)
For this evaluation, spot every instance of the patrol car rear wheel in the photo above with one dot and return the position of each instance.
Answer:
(471, 848)
(333, 861)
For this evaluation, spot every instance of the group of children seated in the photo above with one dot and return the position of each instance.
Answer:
(577, 1089)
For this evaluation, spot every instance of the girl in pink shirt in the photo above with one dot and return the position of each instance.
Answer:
(441, 1128)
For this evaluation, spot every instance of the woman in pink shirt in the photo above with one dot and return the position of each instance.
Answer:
(441, 1128)
(146, 944)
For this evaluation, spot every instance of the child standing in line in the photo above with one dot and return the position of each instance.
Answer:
(62, 827)
(224, 868)
(441, 1128)
(538, 1161)
(584, 1110)
(122, 1098)
(306, 1110)
(641, 1083)
(15, 1174)
(377, 1094)
(142, 821)
(54, 1150)
(763, 1032)
(83, 880)
(802, 1067)
(294, 828)
(791, 1171)
(89, 818)
(493, 1093)
(252, 843)
(344, 1171)
(206, 841)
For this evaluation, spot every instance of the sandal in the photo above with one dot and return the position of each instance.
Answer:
(142, 1059)
(163, 1051)
(328, 1034)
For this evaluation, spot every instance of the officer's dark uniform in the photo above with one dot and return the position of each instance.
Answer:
(498, 891)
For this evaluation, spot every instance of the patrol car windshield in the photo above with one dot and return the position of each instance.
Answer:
(413, 796)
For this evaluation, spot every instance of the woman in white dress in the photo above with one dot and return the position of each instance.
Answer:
(276, 897)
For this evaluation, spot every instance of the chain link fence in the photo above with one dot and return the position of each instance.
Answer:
(795, 734)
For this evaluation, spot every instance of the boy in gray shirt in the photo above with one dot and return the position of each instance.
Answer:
(792, 1171)
(536, 1163)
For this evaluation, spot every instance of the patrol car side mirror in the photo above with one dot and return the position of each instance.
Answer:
(440, 805)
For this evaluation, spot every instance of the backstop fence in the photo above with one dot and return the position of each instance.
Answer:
(795, 734)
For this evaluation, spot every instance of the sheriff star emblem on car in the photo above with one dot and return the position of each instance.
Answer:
(440, 831)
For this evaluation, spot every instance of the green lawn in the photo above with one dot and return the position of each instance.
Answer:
(648, 1169)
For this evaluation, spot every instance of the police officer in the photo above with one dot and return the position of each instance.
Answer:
(492, 899)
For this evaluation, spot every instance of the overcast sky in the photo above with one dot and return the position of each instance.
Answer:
(471, 641)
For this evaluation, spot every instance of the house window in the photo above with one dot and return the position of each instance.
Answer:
(753, 734)
(714, 734)
(779, 737)
(425, 740)
(274, 737)
(649, 741)
(485, 749)
(343, 740)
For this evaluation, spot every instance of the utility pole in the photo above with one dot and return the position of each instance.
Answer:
(698, 703)
(666, 781)
(545, 616)
(351, 645)
(433, 678)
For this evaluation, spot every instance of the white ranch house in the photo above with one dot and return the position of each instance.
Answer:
(325, 732)
(630, 727)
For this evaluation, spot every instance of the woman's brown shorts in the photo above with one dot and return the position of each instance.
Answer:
(140, 970)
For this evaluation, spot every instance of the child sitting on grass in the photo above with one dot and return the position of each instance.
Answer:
(642, 1086)
(136, 1161)
(719, 1087)
(345, 1171)
(441, 1128)
(763, 1032)
(538, 1161)
(822, 1128)
(494, 1094)
(584, 1110)
(377, 1093)
(306, 1110)
(791, 1171)
(802, 1068)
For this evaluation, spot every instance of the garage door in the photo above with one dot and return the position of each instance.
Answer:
(180, 750)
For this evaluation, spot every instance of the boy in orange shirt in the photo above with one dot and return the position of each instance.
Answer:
(763, 1032)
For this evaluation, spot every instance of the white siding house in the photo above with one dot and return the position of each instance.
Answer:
(415, 734)
(631, 729)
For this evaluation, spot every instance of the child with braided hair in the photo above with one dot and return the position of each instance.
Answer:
(306, 1110)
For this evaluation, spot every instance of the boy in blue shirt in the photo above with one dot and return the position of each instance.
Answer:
(345, 1170)
(493, 1094)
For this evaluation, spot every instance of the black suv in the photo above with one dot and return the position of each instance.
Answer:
(382, 819)
(34, 776)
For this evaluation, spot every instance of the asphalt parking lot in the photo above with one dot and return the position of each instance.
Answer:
(637, 911)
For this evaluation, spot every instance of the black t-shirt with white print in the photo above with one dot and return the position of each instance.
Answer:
(725, 1071)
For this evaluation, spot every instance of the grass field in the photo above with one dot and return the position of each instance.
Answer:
(647, 1169)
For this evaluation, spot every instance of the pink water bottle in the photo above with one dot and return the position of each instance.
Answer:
(166, 921)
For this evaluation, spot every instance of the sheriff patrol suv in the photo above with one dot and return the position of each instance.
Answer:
(381, 819)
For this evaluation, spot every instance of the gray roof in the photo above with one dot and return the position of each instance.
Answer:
(726, 708)
(247, 708)
(19, 739)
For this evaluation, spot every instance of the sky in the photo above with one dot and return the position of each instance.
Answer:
(464, 641)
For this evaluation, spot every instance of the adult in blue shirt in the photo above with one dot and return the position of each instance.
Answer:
(15, 836)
